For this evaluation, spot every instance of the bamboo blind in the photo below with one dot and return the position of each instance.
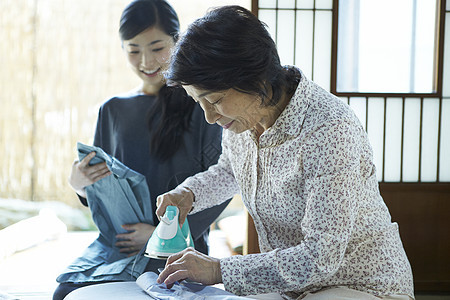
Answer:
(59, 60)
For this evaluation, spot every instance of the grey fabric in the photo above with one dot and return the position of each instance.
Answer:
(183, 290)
(121, 198)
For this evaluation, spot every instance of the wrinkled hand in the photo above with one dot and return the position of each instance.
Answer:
(180, 197)
(193, 265)
(83, 174)
(136, 239)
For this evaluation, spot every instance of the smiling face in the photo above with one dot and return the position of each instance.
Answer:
(233, 110)
(148, 54)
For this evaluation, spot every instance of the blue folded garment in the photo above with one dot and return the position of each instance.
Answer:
(121, 198)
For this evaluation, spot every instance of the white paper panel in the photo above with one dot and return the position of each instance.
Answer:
(344, 99)
(411, 140)
(268, 16)
(375, 131)
(267, 3)
(359, 107)
(393, 139)
(305, 4)
(424, 73)
(285, 36)
(324, 4)
(446, 73)
(394, 56)
(348, 49)
(444, 157)
(322, 49)
(429, 139)
(304, 42)
(286, 4)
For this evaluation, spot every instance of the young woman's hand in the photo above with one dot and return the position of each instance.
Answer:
(180, 197)
(83, 174)
(193, 265)
(133, 241)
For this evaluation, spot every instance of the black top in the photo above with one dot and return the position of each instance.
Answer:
(123, 132)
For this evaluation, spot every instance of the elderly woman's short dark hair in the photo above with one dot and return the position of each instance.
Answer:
(230, 48)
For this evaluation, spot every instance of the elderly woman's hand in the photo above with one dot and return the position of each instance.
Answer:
(193, 265)
(180, 197)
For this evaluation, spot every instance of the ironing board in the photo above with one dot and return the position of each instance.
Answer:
(146, 288)
(110, 291)
(130, 290)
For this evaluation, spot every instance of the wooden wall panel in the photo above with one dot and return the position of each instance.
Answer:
(423, 214)
(422, 211)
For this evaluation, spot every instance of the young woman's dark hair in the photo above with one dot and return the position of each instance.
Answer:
(173, 108)
(230, 48)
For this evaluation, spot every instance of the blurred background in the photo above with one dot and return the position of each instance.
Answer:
(59, 61)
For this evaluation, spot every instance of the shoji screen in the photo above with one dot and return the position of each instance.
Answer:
(302, 31)
(409, 133)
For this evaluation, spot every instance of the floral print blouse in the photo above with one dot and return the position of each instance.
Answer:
(310, 185)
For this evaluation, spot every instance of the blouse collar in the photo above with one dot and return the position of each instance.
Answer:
(289, 123)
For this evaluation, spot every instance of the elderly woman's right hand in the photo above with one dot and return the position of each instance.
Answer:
(181, 197)
(191, 264)
(83, 174)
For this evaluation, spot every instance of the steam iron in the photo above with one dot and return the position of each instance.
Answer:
(168, 238)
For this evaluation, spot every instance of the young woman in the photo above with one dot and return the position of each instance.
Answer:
(303, 164)
(155, 130)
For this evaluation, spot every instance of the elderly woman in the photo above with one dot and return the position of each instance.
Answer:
(303, 164)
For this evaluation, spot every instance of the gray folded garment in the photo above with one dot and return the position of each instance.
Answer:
(122, 198)
(184, 290)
